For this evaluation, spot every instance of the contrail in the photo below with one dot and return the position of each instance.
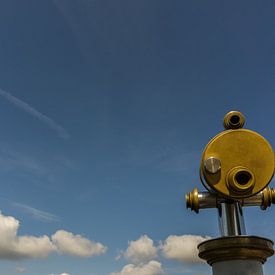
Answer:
(37, 214)
(32, 111)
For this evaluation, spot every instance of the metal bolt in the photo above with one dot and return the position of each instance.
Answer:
(212, 165)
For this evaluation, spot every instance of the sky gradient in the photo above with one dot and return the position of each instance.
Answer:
(105, 108)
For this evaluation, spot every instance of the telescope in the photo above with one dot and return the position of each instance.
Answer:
(236, 168)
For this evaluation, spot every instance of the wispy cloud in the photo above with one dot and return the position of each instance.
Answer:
(35, 213)
(180, 162)
(11, 160)
(32, 111)
(20, 269)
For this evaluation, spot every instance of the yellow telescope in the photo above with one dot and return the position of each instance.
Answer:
(236, 164)
(236, 167)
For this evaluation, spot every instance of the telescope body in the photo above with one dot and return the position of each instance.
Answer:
(236, 167)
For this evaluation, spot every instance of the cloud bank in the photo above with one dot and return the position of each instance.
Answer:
(141, 252)
(75, 245)
(20, 104)
(182, 248)
(151, 268)
(15, 247)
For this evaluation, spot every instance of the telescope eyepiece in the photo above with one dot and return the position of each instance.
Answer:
(240, 180)
(234, 120)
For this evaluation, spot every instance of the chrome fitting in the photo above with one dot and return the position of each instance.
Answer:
(196, 200)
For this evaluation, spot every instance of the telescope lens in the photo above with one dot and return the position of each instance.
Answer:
(243, 177)
(234, 119)
(240, 180)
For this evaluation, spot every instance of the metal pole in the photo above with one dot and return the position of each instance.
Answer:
(238, 267)
(231, 221)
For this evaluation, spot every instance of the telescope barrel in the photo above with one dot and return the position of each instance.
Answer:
(196, 200)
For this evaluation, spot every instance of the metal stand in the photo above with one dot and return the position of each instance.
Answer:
(231, 221)
(236, 167)
(236, 255)
(238, 267)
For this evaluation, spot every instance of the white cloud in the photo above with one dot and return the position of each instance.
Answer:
(140, 253)
(151, 268)
(76, 245)
(64, 273)
(182, 248)
(120, 254)
(32, 111)
(141, 250)
(14, 247)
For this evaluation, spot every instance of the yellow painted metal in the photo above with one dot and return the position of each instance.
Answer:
(192, 200)
(247, 163)
(268, 198)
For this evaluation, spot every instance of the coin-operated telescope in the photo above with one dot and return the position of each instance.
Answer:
(236, 167)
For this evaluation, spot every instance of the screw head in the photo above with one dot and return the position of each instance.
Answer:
(212, 165)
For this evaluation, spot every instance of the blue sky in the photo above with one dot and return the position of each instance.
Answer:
(105, 108)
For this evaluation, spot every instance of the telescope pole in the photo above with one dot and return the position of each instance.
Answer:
(231, 221)
(236, 167)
